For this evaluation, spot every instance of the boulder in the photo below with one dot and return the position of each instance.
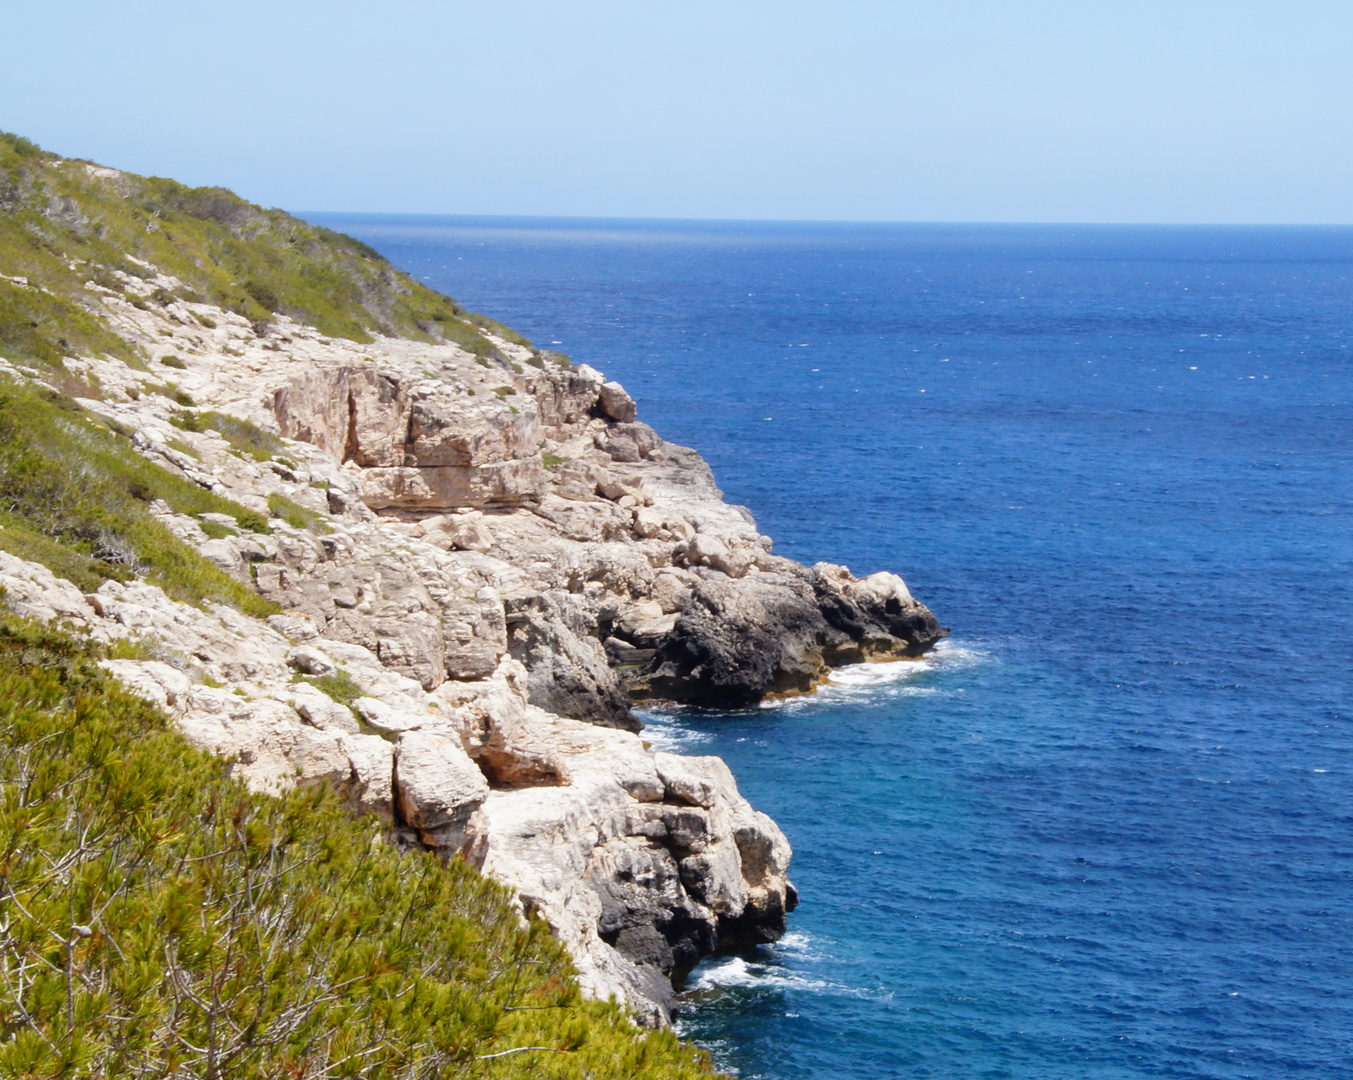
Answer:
(392, 719)
(370, 789)
(615, 403)
(467, 534)
(438, 789)
(319, 710)
(682, 780)
(310, 660)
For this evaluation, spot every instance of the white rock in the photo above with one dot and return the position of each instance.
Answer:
(438, 788)
(682, 780)
(157, 682)
(392, 719)
(373, 762)
(311, 660)
(223, 553)
(467, 535)
(616, 403)
(320, 710)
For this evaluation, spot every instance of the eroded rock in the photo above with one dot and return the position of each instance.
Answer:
(505, 555)
(438, 789)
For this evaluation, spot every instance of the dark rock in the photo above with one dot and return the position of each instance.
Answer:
(646, 914)
(775, 633)
(555, 638)
(622, 652)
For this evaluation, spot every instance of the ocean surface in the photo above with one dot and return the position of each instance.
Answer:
(1106, 829)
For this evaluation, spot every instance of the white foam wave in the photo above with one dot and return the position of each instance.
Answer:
(665, 732)
(729, 972)
(783, 969)
(664, 729)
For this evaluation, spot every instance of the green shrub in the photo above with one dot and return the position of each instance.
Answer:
(244, 438)
(297, 516)
(173, 393)
(338, 686)
(493, 326)
(504, 391)
(552, 460)
(85, 573)
(173, 362)
(39, 327)
(215, 530)
(157, 919)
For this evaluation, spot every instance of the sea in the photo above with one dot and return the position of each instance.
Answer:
(1105, 830)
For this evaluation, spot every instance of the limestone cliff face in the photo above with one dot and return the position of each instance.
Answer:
(506, 559)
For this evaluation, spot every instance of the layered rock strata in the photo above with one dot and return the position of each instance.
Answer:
(503, 559)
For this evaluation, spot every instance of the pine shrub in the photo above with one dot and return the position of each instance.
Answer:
(159, 920)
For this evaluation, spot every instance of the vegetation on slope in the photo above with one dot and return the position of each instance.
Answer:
(75, 496)
(64, 223)
(157, 919)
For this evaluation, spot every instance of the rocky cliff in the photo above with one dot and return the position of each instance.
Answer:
(479, 562)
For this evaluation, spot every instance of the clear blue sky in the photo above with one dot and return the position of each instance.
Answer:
(939, 111)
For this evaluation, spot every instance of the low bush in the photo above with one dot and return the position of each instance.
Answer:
(159, 920)
(82, 571)
(339, 686)
(215, 530)
(244, 438)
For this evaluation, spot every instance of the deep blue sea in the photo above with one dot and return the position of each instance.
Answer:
(1106, 831)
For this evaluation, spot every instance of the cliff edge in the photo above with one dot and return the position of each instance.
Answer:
(476, 558)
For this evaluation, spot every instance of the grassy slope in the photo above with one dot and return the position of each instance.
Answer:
(64, 223)
(157, 919)
(75, 496)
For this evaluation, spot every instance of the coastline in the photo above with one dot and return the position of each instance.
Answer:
(542, 576)
(449, 563)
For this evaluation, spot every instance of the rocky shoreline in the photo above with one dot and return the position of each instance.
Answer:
(498, 558)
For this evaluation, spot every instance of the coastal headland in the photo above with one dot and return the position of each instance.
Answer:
(437, 565)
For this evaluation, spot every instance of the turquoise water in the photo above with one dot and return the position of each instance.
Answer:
(1104, 831)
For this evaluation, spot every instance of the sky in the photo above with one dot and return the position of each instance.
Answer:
(1198, 112)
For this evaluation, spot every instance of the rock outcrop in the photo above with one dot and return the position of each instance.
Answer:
(501, 559)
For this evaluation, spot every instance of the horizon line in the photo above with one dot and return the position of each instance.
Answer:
(952, 223)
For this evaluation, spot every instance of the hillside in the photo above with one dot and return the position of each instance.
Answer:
(65, 223)
(347, 537)
(160, 918)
